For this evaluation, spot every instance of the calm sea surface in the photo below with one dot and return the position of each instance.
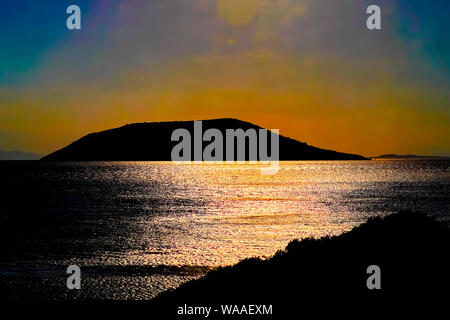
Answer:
(136, 229)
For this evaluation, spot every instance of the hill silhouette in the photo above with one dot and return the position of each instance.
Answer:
(152, 142)
(328, 275)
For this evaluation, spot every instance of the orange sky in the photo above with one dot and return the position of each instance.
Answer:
(320, 78)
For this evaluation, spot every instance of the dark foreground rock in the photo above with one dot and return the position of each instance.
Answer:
(329, 275)
(319, 277)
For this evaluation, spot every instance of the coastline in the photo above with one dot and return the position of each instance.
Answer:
(410, 249)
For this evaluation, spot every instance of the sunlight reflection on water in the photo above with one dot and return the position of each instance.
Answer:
(220, 214)
(146, 214)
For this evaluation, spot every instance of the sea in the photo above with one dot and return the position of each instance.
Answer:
(136, 229)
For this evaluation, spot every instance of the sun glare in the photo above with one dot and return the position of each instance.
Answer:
(237, 12)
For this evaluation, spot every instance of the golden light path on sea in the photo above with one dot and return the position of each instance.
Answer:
(213, 215)
(169, 223)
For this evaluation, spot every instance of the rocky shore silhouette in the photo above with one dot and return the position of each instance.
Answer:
(319, 275)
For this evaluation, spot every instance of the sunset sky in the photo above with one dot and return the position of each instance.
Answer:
(310, 68)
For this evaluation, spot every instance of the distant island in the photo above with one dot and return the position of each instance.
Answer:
(18, 155)
(407, 156)
(152, 142)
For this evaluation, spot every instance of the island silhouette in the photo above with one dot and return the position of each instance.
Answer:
(18, 155)
(407, 156)
(151, 141)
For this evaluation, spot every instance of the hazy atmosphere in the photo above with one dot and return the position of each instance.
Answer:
(309, 68)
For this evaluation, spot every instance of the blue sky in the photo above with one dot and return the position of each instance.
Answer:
(307, 67)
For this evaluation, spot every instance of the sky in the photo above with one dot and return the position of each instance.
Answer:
(309, 68)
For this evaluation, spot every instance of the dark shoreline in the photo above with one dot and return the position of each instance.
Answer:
(326, 275)
(410, 248)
